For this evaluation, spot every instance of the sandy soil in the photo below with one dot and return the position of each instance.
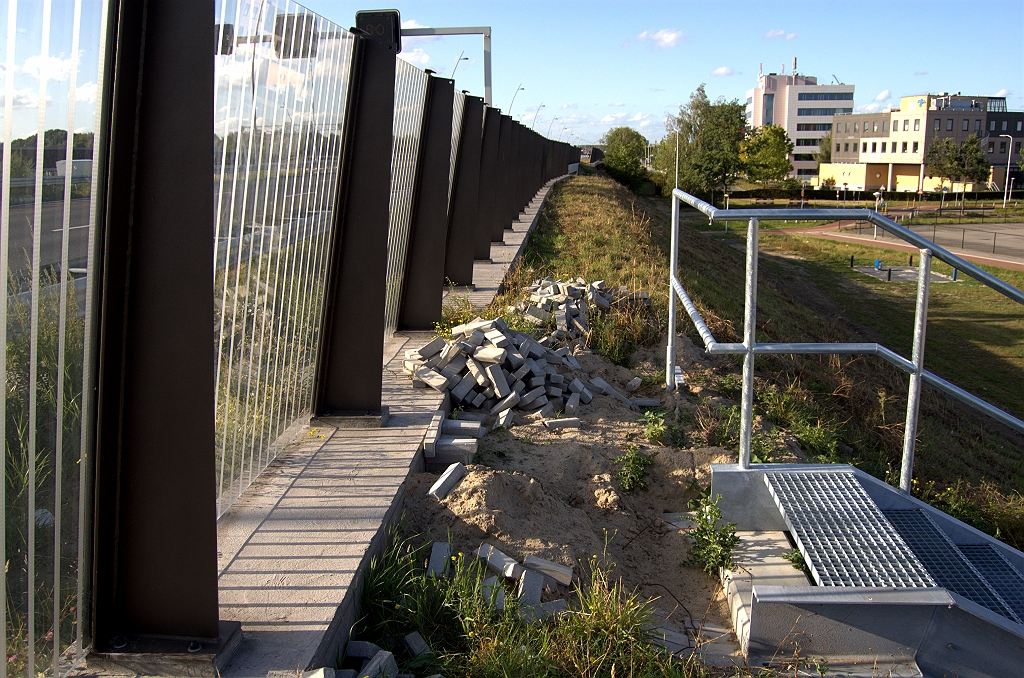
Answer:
(555, 494)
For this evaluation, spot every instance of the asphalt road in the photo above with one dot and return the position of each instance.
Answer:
(19, 254)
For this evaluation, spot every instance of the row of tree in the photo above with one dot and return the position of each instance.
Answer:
(715, 148)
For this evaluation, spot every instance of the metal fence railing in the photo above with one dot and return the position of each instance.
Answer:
(750, 347)
(278, 122)
(974, 239)
(52, 56)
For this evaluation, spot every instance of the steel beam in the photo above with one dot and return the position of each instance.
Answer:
(488, 183)
(154, 570)
(458, 262)
(349, 375)
(424, 270)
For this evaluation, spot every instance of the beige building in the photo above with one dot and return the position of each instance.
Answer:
(886, 150)
(802, 107)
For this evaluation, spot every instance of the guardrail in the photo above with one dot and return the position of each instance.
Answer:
(750, 347)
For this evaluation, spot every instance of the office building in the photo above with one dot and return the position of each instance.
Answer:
(802, 107)
(886, 149)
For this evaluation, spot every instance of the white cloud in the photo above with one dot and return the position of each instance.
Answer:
(23, 98)
(617, 103)
(566, 106)
(920, 72)
(779, 33)
(884, 95)
(869, 108)
(410, 41)
(638, 117)
(416, 57)
(616, 117)
(723, 71)
(53, 68)
(1003, 92)
(655, 89)
(664, 38)
(86, 92)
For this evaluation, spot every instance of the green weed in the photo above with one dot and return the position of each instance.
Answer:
(797, 559)
(633, 469)
(654, 425)
(712, 545)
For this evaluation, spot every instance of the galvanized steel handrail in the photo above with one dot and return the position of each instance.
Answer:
(749, 347)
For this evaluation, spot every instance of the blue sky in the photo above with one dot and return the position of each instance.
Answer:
(599, 64)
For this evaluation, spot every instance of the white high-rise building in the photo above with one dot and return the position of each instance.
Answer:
(801, 106)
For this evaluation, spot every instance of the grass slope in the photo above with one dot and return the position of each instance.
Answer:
(848, 409)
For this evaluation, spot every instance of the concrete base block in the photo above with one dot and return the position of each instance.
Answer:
(381, 666)
(440, 559)
(531, 584)
(499, 562)
(560, 573)
(570, 422)
(353, 419)
(448, 480)
(494, 593)
(167, 656)
(463, 429)
(417, 646)
(647, 402)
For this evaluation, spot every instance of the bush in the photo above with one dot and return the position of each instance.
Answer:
(712, 545)
(623, 158)
(633, 469)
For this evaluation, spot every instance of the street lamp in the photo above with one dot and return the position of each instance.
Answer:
(459, 61)
(1009, 155)
(548, 135)
(521, 89)
(844, 195)
(536, 114)
(560, 133)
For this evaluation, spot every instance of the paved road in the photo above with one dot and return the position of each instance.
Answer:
(828, 232)
(50, 236)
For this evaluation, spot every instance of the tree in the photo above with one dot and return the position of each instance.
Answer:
(624, 154)
(765, 154)
(709, 143)
(942, 159)
(824, 152)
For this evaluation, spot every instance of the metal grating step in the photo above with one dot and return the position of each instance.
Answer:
(944, 560)
(844, 537)
(999, 573)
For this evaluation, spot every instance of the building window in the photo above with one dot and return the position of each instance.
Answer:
(846, 148)
(967, 124)
(813, 127)
(977, 125)
(992, 126)
(874, 126)
(864, 147)
(1019, 124)
(808, 142)
(768, 106)
(915, 147)
(904, 146)
(949, 125)
(938, 124)
(802, 157)
(1002, 147)
(991, 146)
(837, 148)
(825, 96)
(1016, 147)
(906, 124)
(823, 111)
(1004, 126)
(917, 124)
(885, 125)
(847, 128)
(874, 147)
(856, 127)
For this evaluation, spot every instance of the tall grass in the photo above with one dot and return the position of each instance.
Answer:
(605, 633)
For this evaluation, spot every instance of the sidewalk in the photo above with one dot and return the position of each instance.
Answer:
(294, 547)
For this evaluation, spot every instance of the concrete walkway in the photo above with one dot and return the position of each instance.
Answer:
(294, 547)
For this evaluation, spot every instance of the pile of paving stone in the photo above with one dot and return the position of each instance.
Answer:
(533, 576)
(569, 302)
(375, 661)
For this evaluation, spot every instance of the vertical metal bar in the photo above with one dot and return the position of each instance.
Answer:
(488, 99)
(462, 217)
(914, 394)
(58, 457)
(33, 370)
(5, 222)
(670, 351)
(749, 341)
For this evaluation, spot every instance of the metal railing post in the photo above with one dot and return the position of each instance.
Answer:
(670, 351)
(914, 395)
(749, 342)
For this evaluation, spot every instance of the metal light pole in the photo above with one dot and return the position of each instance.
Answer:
(548, 135)
(677, 158)
(1009, 156)
(459, 61)
(560, 133)
(485, 31)
(518, 90)
(536, 114)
